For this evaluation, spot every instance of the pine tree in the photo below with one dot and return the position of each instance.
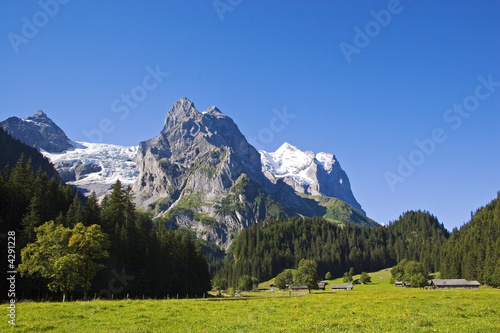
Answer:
(75, 212)
(31, 220)
(92, 211)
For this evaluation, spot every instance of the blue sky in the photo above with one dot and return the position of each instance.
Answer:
(364, 80)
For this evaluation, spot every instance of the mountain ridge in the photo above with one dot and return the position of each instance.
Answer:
(200, 172)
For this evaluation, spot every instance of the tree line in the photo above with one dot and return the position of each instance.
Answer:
(143, 259)
(266, 249)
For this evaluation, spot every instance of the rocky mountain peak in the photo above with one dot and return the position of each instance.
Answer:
(190, 137)
(39, 116)
(38, 131)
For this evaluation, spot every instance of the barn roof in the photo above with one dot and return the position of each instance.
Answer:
(454, 282)
(299, 287)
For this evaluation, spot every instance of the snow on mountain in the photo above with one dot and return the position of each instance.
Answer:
(96, 166)
(289, 161)
(308, 173)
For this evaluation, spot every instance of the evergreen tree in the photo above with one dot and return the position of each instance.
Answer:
(31, 220)
(92, 211)
(75, 212)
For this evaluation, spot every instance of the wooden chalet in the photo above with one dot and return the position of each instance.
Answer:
(341, 286)
(322, 285)
(454, 283)
(398, 283)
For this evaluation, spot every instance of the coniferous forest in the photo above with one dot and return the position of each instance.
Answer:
(264, 250)
(145, 259)
(148, 258)
(471, 252)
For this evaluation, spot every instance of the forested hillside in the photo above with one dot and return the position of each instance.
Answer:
(11, 150)
(266, 249)
(473, 251)
(145, 258)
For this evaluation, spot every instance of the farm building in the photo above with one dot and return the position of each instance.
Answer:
(322, 285)
(341, 286)
(398, 283)
(454, 283)
(296, 288)
(357, 281)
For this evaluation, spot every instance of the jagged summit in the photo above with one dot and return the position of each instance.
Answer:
(181, 109)
(38, 131)
(190, 135)
(40, 116)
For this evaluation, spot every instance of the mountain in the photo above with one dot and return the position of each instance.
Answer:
(88, 166)
(309, 173)
(201, 173)
(38, 131)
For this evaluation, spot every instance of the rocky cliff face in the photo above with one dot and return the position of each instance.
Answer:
(38, 131)
(309, 173)
(203, 174)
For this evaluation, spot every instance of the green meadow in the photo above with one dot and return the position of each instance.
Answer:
(377, 307)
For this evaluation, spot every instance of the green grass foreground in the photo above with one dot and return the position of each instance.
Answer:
(378, 307)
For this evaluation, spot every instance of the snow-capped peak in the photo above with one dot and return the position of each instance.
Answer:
(309, 173)
(289, 160)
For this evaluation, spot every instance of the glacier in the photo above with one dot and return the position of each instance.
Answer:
(96, 166)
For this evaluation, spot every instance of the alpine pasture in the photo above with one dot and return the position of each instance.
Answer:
(375, 307)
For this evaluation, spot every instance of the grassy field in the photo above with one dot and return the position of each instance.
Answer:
(379, 307)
